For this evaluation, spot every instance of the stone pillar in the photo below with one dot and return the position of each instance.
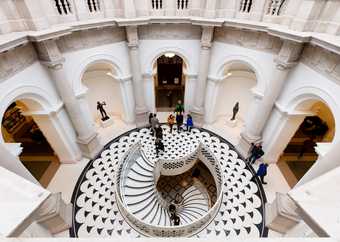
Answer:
(190, 82)
(286, 59)
(210, 9)
(81, 10)
(210, 100)
(282, 214)
(54, 214)
(33, 14)
(149, 89)
(307, 13)
(198, 108)
(13, 164)
(129, 9)
(126, 87)
(170, 8)
(87, 137)
(109, 9)
(138, 85)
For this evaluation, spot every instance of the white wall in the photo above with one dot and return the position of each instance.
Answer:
(76, 62)
(236, 88)
(261, 62)
(102, 87)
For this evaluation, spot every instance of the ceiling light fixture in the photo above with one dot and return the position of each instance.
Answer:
(169, 55)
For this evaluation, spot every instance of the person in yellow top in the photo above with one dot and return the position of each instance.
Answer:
(171, 121)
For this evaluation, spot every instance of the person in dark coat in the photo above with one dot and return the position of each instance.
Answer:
(256, 153)
(190, 123)
(262, 172)
(150, 117)
(159, 146)
(179, 121)
(159, 132)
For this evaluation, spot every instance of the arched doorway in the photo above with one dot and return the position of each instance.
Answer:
(303, 137)
(102, 84)
(236, 86)
(37, 154)
(169, 81)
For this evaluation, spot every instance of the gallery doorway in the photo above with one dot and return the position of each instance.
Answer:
(37, 154)
(169, 82)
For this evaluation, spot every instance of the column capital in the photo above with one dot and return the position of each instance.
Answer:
(125, 79)
(207, 36)
(48, 51)
(289, 53)
(282, 65)
(54, 65)
(214, 79)
(132, 36)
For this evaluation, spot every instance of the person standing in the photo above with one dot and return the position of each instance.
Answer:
(262, 172)
(190, 123)
(150, 118)
(179, 121)
(154, 122)
(171, 121)
(179, 107)
(159, 131)
(159, 146)
(256, 153)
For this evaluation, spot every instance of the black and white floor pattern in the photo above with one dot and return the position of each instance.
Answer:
(95, 212)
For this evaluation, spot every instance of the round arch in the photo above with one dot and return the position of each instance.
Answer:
(152, 58)
(218, 72)
(303, 98)
(77, 84)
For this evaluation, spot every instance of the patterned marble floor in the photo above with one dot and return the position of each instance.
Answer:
(95, 211)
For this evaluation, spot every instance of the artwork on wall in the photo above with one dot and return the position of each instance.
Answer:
(13, 118)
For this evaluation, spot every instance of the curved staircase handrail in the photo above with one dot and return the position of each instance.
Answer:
(169, 231)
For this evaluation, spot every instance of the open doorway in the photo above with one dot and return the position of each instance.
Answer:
(37, 154)
(301, 153)
(169, 81)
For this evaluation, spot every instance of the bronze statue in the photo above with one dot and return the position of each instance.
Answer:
(235, 111)
(100, 107)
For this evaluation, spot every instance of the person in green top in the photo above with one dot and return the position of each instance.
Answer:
(179, 107)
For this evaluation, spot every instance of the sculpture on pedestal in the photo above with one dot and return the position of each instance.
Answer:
(100, 107)
(235, 111)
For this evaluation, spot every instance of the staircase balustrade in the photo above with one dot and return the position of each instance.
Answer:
(187, 230)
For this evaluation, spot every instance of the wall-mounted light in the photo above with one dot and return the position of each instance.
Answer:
(229, 74)
(110, 74)
(169, 54)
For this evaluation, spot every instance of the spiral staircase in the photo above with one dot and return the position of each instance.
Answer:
(117, 194)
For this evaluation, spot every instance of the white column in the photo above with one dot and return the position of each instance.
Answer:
(128, 99)
(55, 129)
(13, 164)
(87, 140)
(81, 9)
(229, 9)
(109, 8)
(279, 130)
(210, 100)
(170, 7)
(198, 109)
(33, 14)
(81, 119)
(149, 90)
(189, 92)
(129, 9)
(289, 53)
(210, 9)
(257, 11)
(141, 110)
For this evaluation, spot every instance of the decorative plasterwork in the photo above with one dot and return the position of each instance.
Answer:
(249, 39)
(90, 38)
(325, 62)
(169, 31)
(14, 61)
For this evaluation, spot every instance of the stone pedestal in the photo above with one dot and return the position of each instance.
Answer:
(232, 123)
(281, 215)
(90, 146)
(106, 123)
(198, 118)
(55, 215)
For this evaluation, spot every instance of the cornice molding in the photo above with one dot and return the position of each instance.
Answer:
(329, 42)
